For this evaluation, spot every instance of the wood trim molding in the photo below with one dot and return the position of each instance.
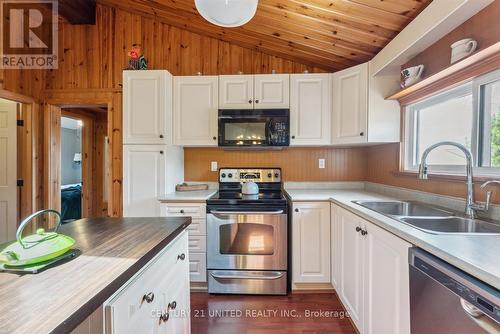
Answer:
(479, 63)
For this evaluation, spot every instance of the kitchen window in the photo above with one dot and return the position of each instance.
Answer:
(468, 114)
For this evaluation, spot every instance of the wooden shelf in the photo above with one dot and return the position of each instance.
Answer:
(457, 72)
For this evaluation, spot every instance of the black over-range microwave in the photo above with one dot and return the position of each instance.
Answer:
(254, 127)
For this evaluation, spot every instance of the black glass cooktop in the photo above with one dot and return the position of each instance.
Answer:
(235, 199)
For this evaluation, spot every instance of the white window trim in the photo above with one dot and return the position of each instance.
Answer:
(473, 87)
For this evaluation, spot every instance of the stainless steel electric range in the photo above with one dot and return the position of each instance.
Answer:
(247, 235)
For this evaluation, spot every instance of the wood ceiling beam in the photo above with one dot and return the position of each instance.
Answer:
(77, 11)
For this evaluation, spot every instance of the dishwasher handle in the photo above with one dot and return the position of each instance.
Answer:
(479, 317)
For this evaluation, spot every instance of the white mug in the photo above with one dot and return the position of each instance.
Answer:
(411, 75)
(462, 48)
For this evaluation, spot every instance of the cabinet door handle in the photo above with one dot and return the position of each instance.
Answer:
(256, 101)
(164, 317)
(161, 136)
(172, 305)
(364, 232)
(161, 152)
(182, 211)
(250, 101)
(293, 137)
(361, 134)
(296, 210)
(181, 257)
(148, 298)
(358, 229)
(214, 138)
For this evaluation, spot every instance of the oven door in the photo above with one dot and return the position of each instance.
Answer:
(247, 240)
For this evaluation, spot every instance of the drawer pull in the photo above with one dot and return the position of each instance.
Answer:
(164, 317)
(181, 257)
(182, 211)
(172, 305)
(148, 298)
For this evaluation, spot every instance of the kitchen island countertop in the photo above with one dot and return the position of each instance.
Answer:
(61, 297)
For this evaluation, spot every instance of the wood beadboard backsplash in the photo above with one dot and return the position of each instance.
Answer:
(298, 164)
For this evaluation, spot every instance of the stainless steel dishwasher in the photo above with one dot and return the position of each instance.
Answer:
(444, 299)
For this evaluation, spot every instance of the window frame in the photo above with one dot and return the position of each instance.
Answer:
(473, 87)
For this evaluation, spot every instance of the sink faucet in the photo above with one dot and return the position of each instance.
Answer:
(471, 206)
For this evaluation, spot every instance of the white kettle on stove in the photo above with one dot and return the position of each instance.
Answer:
(249, 188)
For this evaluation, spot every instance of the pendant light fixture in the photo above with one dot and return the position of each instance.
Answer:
(227, 13)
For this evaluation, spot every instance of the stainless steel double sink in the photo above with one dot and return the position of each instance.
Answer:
(430, 219)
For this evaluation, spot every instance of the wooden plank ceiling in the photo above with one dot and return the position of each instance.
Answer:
(330, 34)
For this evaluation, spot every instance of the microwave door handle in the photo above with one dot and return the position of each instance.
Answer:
(231, 213)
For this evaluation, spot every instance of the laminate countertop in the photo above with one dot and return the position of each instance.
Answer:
(61, 297)
(187, 196)
(477, 255)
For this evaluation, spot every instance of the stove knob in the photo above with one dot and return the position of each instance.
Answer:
(269, 175)
(229, 175)
(223, 175)
(276, 175)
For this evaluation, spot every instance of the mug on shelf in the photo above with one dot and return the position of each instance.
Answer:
(462, 48)
(411, 75)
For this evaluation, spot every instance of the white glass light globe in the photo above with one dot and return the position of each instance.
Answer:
(227, 13)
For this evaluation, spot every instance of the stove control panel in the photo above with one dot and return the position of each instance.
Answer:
(272, 175)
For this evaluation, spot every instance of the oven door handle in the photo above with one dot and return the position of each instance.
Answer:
(231, 213)
(274, 276)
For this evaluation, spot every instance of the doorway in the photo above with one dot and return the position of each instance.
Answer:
(83, 162)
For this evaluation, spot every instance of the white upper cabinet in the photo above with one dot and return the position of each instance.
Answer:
(310, 109)
(350, 105)
(147, 107)
(311, 242)
(263, 91)
(236, 92)
(271, 91)
(360, 112)
(195, 110)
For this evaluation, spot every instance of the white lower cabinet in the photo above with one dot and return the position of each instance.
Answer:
(156, 300)
(311, 242)
(197, 231)
(370, 274)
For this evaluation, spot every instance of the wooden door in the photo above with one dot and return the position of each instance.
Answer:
(350, 106)
(195, 110)
(351, 273)
(311, 242)
(310, 109)
(144, 170)
(8, 171)
(236, 92)
(147, 107)
(271, 91)
(386, 283)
